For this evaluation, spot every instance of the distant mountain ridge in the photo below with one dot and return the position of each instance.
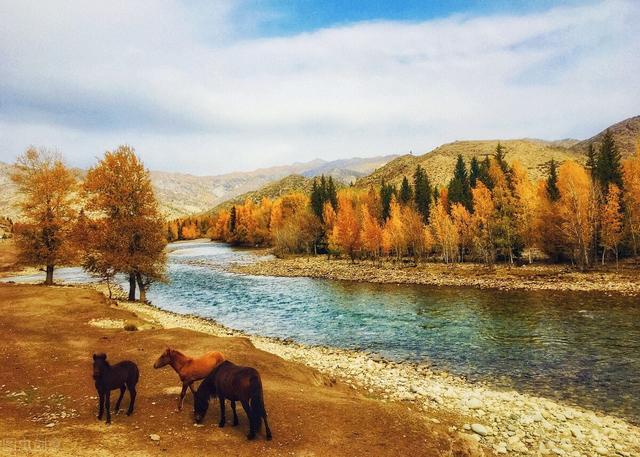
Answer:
(182, 194)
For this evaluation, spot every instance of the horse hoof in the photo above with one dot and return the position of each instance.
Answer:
(221, 424)
(235, 423)
(269, 437)
(129, 413)
(251, 436)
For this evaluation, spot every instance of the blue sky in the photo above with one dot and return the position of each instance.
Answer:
(212, 87)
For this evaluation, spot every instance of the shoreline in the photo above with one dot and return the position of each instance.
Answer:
(500, 277)
(506, 422)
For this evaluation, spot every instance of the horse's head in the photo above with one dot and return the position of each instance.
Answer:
(164, 359)
(200, 405)
(99, 363)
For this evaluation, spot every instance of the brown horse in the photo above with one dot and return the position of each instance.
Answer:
(188, 368)
(123, 375)
(236, 383)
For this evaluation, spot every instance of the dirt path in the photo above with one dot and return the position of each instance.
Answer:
(45, 379)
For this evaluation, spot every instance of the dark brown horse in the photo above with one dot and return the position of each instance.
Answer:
(123, 375)
(235, 383)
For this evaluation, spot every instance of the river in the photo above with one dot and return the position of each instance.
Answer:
(580, 348)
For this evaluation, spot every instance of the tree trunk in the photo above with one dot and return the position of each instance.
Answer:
(132, 286)
(141, 286)
(49, 279)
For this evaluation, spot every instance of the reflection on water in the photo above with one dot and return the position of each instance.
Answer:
(582, 348)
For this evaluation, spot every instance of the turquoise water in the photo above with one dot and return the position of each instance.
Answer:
(582, 348)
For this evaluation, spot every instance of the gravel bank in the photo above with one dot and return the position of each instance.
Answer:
(528, 277)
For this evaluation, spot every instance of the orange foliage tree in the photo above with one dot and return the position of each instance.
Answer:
(345, 236)
(611, 222)
(48, 191)
(631, 179)
(371, 234)
(128, 235)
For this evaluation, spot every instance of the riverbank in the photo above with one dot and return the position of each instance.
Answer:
(625, 281)
(506, 422)
(48, 401)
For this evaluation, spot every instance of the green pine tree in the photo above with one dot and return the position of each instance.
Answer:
(406, 192)
(422, 193)
(609, 170)
(474, 172)
(552, 182)
(459, 189)
(387, 191)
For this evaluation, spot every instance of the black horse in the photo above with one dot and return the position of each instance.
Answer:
(235, 383)
(123, 375)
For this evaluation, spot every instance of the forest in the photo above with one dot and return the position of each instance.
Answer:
(490, 211)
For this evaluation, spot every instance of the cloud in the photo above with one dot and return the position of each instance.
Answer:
(193, 88)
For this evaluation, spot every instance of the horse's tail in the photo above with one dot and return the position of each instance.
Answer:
(257, 405)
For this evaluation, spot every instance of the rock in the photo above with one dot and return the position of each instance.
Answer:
(479, 429)
(474, 403)
(466, 427)
(500, 448)
(154, 437)
(602, 450)
(50, 424)
(577, 433)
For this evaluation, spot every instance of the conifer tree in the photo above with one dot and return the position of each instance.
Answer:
(406, 192)
(592, 162)
(474, 172)
(459, 189)
(552, 181)
(609, 170)
(332, 194)
(422, 192)
(233, 219)
(387, 192)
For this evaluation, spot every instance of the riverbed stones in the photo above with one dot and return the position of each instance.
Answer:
(474, 403)
(479, 429)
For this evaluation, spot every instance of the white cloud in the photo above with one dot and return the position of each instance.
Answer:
(191, 94)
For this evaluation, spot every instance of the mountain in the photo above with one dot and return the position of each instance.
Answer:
(533, 154)
(181, 194)
(286, 185)
(626, 135)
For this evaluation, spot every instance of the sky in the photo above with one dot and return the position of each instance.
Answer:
(209, 87)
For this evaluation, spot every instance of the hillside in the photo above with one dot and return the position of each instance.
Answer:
(626, 134)
(439, 163)
(286, 185)
(181, 194)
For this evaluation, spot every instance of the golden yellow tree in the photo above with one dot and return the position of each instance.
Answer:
(631, 180)
(444, 231)
(463, 223)
(611, 222)
(393, 234)
(371, 234)
(483, 222)
(576, 210)
(345, 236)
(413, 232)
(129, 237)
(47, 189)
(526, 207)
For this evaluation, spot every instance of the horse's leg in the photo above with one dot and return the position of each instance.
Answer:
(100, 404)
(252, 421)
(266, 424)
(235, 415)
(132, 395)
(107, 404)
(122, 390)
(223, 419)
(182, 395)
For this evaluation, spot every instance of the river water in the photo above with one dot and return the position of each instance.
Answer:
(581, 348)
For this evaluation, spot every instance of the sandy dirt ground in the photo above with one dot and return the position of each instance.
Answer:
(48, 401)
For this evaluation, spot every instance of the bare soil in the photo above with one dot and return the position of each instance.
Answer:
(48, 401)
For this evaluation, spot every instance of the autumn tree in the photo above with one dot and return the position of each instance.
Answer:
(526, 207)
(393, 234)
(483, 222)
(345, 236)
(463, 222)
(413, 232)
(48, 197)
(128, 236)
(631, 178)
(612, 219)
(444, 231)
(576, 208)
(370, 234)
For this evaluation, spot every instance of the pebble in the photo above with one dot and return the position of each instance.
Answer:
(474, 403)
(154, 437)
(479, 429)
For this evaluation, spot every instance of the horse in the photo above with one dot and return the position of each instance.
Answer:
(123, 375)
(189, 369)
(236, 383)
